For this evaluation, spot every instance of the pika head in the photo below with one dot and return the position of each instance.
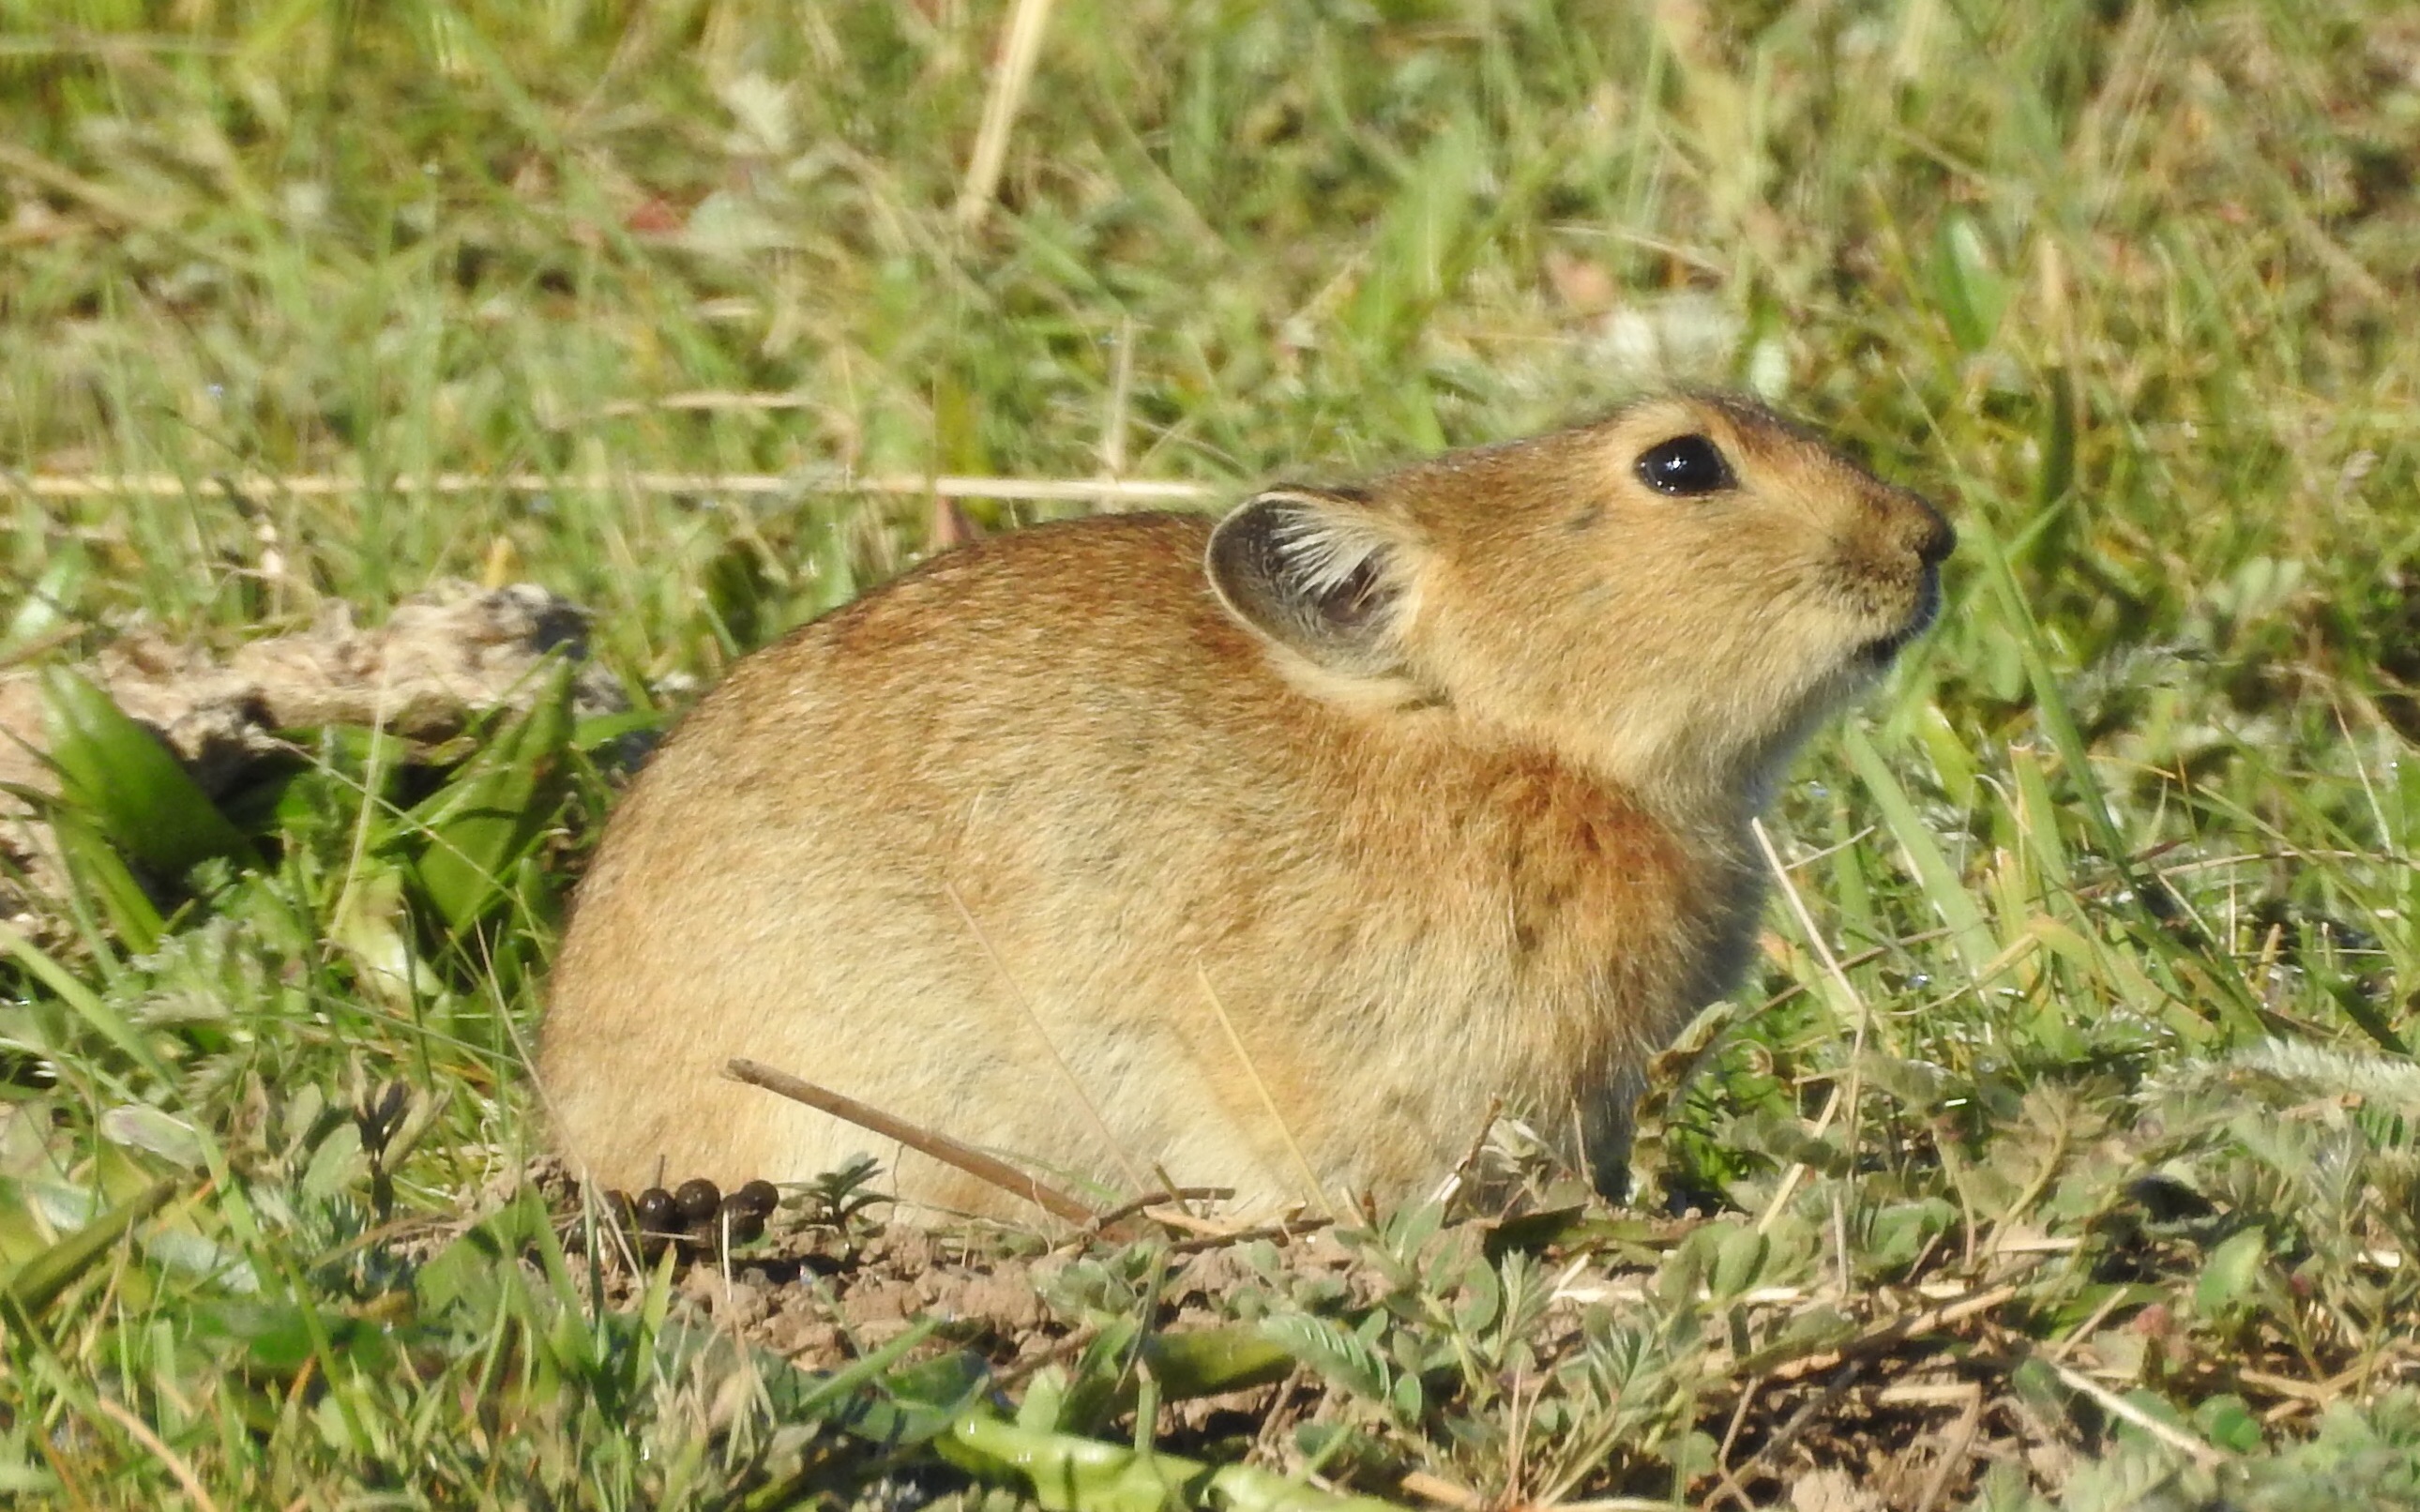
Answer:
(1672, 595)
(1271, 853)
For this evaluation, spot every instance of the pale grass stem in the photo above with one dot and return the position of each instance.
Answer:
(1442, 1492)
(1109, 1141)
(2195, 1449)
(1302, 1165)
(1959, 1443)
(1020, 48)
(1864, 1017)
(2369, 790)
(1113, 426)
(1124, 491)
(938, 1145)
(175, 1462)
(36, 648)
(357, 855)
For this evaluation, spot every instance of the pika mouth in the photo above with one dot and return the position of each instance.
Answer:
(1880, 651)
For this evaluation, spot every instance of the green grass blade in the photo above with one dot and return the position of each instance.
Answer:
(1068, 1473)
(474, 831)
(103, 872)
(84, 1002)
(2235, 1005)
(1969, 934)
(32, 1286)
(118, 772)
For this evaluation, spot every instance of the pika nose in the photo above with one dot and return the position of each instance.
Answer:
(1939, 539)
(1927, 534)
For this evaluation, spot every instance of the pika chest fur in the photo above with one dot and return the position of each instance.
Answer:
(1433, 791)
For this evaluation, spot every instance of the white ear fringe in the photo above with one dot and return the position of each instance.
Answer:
(1325, 545)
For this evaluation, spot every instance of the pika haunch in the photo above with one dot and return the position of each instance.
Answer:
(1256, 852)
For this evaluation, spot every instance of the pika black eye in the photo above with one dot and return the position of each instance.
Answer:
(1685, 466)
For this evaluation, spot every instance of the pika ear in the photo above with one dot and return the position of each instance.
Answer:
(1319, 573)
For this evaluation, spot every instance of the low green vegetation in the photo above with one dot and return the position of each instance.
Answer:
(2065, 1151)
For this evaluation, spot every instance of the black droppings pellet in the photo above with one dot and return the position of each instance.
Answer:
(657, 1212)
(697, 1200)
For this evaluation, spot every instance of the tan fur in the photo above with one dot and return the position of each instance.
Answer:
(980, 848)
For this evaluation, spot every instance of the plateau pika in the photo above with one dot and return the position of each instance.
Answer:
(1254, 851)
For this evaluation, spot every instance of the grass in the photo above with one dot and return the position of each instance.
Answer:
(2094, 1009)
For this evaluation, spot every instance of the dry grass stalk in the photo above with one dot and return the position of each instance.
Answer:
(1888, 1336)
(1957, 1446)
(1165, 1197)
(174, 1462)
(1443, 1492)
(1019, 50)
(1110, 1140)
(836, 480)
(1292, 1228)
(924, 1141)
(2109, 1401)
(1849, 996)
(1261, 1088)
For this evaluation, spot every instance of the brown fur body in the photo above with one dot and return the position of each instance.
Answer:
(1438, 791)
